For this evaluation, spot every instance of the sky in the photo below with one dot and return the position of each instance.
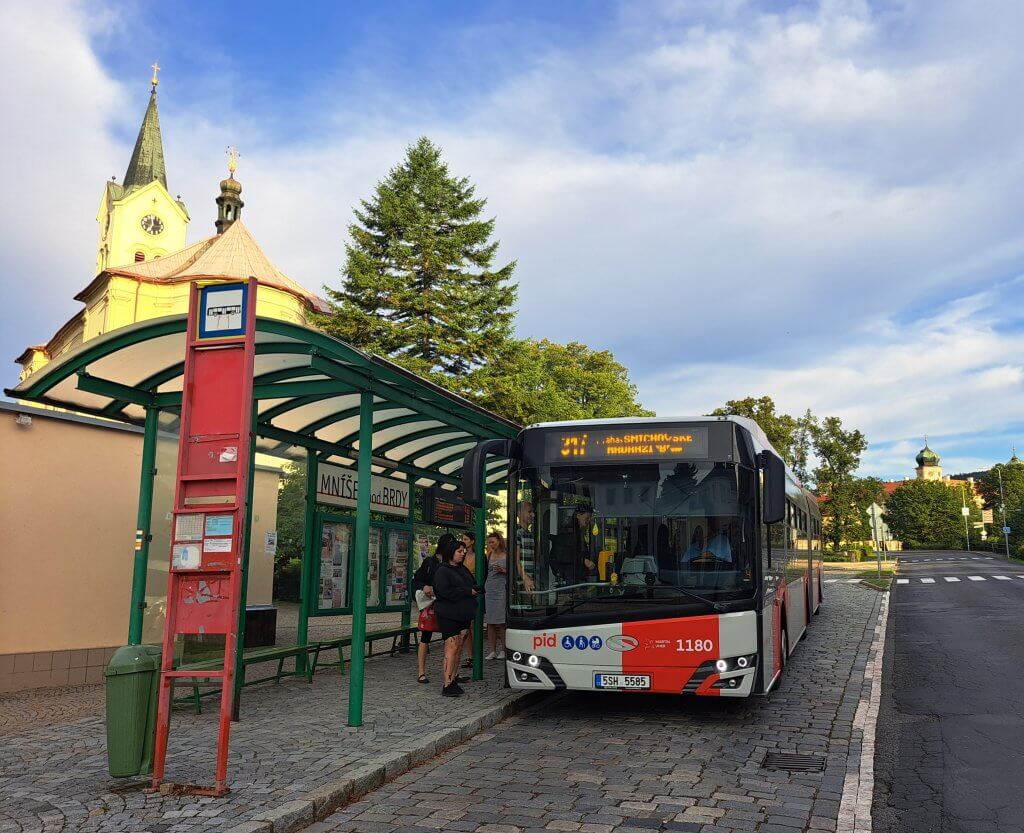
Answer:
(819, 201)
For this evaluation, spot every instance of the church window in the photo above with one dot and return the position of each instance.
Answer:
(139, 257)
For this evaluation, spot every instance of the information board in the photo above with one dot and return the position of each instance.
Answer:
(626, 444)
(442, 507)
(337, 486)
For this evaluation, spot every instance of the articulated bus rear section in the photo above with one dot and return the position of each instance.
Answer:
(661, 555)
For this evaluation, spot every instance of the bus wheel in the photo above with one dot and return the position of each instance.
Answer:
(784, 650)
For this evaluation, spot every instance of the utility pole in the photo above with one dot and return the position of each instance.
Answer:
(966, 514)
(1002, 507)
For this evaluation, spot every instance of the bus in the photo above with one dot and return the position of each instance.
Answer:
(674, 555)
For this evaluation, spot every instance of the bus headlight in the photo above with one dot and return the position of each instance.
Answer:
(722, 665)
(742, 662)
(517, 657)
(533, 661)
(735, 663)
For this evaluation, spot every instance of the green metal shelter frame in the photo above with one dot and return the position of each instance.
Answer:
(311, 392)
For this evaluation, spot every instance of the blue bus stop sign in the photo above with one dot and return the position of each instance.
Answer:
(1006, 530)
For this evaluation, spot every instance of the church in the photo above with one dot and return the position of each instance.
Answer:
(143, 265)
(71, 490)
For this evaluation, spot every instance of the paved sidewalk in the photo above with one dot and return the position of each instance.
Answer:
(290, 748)
(598, 763)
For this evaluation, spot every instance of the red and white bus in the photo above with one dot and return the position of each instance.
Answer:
(665, 555)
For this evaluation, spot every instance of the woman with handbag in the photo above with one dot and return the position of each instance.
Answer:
(455, 590)
(423, 585)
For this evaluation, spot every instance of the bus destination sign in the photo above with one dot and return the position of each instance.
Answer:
(656, 442)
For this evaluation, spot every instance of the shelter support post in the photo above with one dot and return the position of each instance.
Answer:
(243, 590)
(360, 562)
(480, 516)
(142, 528)
(307, 595)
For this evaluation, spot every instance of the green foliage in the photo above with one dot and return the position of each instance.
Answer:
(419, 285)
(291, 525)
(1012, 475)
(926, 514)
(540, 381)
(779, 428)
(847, 497)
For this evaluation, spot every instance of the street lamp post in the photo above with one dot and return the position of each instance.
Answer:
(966, 513)
(1002, 507)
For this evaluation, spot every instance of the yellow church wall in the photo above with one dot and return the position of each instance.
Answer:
(125, 235)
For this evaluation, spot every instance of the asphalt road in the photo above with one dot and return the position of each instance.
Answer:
(950, 736)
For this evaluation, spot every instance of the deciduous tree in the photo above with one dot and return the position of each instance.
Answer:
(926, 514)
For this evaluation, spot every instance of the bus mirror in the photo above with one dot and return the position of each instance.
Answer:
(773, 496)
(473, 468)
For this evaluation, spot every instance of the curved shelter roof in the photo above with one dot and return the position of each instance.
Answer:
(307, 387)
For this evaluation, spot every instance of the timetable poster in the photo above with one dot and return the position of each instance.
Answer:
(335, 541)
(373, 568)
(398, 567)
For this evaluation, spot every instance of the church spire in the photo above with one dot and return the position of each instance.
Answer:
(229, 203)
(147, 162)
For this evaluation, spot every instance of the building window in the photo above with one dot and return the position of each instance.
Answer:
(139, 257)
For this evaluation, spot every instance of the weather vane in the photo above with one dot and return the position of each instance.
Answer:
(153, 80)
(232, 152)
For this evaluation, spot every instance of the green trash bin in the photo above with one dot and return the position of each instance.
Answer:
(132, 675)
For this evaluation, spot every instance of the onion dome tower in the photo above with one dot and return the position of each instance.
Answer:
(928, 464)
(229, 203)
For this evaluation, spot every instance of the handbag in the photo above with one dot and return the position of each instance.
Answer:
(428, 620)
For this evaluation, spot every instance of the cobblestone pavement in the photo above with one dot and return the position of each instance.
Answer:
(292, 740)
(22, 710)
(602, 762)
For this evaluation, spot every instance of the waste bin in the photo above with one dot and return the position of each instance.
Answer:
(131, 676)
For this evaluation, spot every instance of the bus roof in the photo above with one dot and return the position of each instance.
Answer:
(760, 440)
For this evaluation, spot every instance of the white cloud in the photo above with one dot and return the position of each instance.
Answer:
(709, 190)
(954, 375)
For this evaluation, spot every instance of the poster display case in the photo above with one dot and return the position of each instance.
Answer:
(388, 565)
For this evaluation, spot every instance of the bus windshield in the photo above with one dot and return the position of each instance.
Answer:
(600, 539)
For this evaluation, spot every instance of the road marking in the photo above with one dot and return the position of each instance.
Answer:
(903, 581)
(853, 581)
(859, 785)
(951, 578)
(831, 580)
(976, 578)
(1002, 578)
(927, 581)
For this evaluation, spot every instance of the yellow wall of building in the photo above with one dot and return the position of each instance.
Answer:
(123, 236)
(68, 503)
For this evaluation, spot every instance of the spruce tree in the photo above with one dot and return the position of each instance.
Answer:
(419, 288)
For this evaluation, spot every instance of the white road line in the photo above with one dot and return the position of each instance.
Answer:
(1002, 578)
(927, 581)
(951, 578)
(831, 580)
(976, 578)
(853, 581)
(903, 581)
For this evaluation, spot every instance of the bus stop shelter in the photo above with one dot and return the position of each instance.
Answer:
(315, 399)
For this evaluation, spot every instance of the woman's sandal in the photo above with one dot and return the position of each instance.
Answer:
(422, 679)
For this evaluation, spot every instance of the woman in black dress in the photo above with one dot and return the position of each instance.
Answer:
(424, 580)
(455, 593)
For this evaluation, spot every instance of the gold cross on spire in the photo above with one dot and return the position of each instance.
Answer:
(232, 152)
(153, 80)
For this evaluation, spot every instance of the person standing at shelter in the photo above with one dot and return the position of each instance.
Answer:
(455, 593)
(423, 582)
(469, 542)
(495, 592)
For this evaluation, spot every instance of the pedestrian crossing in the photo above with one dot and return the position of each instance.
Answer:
(933, 580)
(945, 560)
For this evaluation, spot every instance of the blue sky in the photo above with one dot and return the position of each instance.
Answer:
(820, 201)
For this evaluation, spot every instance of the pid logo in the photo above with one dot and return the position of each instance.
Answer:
(582, 642)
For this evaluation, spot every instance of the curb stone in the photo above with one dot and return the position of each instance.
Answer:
(319, 803)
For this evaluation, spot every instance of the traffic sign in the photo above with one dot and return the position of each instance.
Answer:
(1006, 530)
(965, 511)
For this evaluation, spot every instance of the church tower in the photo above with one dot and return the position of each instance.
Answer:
(928, 467)
(229, 203)
(138, 218)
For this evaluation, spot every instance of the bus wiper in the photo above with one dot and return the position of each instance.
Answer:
(718, 608)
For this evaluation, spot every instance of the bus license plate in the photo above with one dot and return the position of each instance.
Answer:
(622, 681)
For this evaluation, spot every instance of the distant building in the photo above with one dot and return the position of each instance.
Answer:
(928, 467)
